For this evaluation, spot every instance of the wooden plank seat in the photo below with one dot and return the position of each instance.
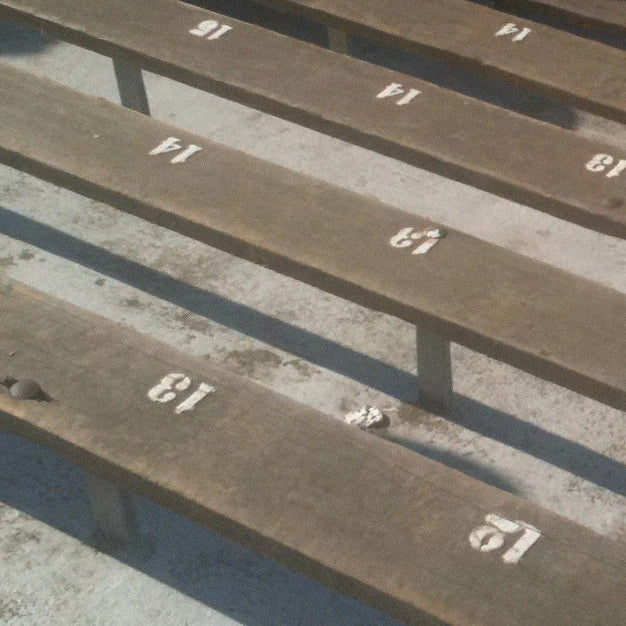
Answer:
(532, 162)
(604, 15)
(514, 309)
(362, 515)
(580, 72)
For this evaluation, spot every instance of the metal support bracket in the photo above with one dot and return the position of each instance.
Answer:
(434, 372)
(112, 510)
(131, 86)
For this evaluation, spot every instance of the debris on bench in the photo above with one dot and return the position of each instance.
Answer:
(364, 516)
(22, 389)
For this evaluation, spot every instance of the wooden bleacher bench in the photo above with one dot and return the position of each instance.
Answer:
(362, 515)
(511, 308)
(532, 162)
(583, 73)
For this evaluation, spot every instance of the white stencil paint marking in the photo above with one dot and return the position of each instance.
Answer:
(511, 29)
(408, 236)
(164, 392)
(600, 162)
(172, 144)
(395, 89)
(204, 28)
(491, 537)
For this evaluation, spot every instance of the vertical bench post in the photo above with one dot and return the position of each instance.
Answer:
(131, 86)
(112, 510)
(337, 41)
(434, 372)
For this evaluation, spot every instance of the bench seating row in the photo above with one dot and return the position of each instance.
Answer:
(583, 73)
(509, 307)
(362, 515)
(529, 161)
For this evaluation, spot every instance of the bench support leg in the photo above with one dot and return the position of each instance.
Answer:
(337, 41)
(130, 86)
(434, 372)
(112, 510)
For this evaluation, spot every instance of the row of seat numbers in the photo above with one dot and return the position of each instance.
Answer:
(485, 538)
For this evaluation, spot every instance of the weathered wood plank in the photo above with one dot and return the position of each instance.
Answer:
(583, 73)
(580, 72)
(604, 15)
(465, 139)
(543, 320)
(360, 514)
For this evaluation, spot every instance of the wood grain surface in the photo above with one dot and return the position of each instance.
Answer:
(583, 73)
(509, 154)
(354, 511)
(543, 320)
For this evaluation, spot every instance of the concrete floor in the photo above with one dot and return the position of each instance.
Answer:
(539, 441)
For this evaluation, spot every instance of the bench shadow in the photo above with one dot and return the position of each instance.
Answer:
(500, 93)
(504, 428)
(19, 41)
(170, 549)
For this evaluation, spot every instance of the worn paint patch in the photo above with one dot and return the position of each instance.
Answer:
(133, 303)
(26, 255)
(19, 540)
(416, 416)
(193, 322)
(302, 367)
(11, 608)
(250, 362)
(7, 261)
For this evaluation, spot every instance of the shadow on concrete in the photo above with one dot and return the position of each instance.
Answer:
(507, 429)
(173, 550)
(19, 41)
(495, 92)
(531, 439)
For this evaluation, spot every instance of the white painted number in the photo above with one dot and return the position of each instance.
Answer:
(512, 29)
(172, 144)
(409, 235)
(189, 404)
(210, 29)
(165, 392)
(492, 535)
(395, 89)
(600, 162)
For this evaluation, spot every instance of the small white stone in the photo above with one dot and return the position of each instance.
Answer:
(365, 417)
